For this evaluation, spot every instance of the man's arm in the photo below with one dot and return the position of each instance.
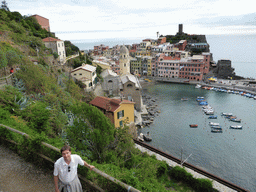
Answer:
(56, 179)
(89, 166)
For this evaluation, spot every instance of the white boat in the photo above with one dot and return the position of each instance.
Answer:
(236, 127)
(209, 112)
(212, 123)
(140, 137)
(226, 114)
(198, 86)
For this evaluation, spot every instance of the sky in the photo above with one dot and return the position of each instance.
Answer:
(91, 20)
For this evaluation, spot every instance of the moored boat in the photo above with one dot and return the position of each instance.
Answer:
(193, 125)
(236, 127)
(212, 117)
(184, 99)
(140, 137)
(198, 86)
(226, 114)
(235, 120)
(147, 137)
(212, 123)
(216, 130)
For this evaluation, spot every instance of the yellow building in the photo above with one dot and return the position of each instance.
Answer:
(119, 111)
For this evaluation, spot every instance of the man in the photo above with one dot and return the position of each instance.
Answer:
(65, 171)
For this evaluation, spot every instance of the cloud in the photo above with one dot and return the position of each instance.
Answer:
(99, 18)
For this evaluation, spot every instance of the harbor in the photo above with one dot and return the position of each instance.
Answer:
(228, 154)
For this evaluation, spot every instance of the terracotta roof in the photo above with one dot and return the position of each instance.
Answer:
(107, 103)
(48, 39)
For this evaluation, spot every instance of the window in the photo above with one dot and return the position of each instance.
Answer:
(120, 114)
(129, 85)
(121, 123)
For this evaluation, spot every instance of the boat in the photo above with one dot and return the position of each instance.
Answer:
(236, 120)
(216, 130)
(184, 99)
(147, 137)
(212, 117)
(209, 112)
(193, 125)
(226, 114)
(203, 103)
(212, 123)
(140, 137)
(198, 86)
(236, 127)
(216, 126)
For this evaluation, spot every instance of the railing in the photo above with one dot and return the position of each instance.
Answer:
(110, 178)
(190, 166)
(7, 80)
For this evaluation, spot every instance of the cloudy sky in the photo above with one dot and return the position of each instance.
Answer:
(103, 19)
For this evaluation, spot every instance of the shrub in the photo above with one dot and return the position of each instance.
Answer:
(162, 168)
(37, 116)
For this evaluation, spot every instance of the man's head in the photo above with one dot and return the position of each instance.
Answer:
(66, 153)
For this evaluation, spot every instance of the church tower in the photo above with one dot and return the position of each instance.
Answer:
(124, 61)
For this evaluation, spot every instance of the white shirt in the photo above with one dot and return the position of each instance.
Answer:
(61, 168)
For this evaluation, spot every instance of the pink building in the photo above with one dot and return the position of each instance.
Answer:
(168, 67)
(195, 67)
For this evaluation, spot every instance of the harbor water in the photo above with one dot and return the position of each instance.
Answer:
(230, 155)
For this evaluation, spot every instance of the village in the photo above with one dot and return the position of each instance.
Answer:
(125, 67)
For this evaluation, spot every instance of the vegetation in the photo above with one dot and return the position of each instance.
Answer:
(47, 105)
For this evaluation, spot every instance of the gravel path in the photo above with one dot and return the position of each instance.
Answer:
(18, 175)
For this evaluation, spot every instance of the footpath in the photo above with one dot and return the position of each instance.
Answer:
(18, 175)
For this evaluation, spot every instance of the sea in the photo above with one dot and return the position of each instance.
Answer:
(231, 155)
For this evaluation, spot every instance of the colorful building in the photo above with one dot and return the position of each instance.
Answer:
(119, 111)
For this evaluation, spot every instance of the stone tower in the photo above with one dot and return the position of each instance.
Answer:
(124, 61)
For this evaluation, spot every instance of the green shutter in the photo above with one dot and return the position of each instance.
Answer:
(122, 113)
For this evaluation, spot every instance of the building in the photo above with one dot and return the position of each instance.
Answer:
(86, 74)
(110, 83)
(56, 45)
(124, 61)
(119, 111)
(99, 49)
(43, 22)
(131, 90)
(168, 67)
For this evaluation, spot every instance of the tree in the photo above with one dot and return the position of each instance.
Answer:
(91, 130)
(4, 6)
(12, 57)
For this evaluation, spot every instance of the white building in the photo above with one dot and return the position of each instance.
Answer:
(56, 45)
(86, 74)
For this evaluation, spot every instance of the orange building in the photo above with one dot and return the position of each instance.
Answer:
(42, 21)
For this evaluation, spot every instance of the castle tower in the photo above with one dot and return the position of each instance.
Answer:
(124, 61)
(180, 29)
